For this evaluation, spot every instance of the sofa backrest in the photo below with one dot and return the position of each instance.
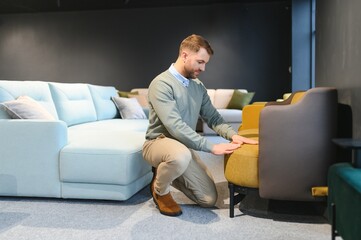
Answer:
(219, 97)
(73, 102)
(140, 91)
(38, 90)
(103, 103)
(211, 94)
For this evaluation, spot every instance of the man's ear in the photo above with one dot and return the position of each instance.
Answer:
(184, 55)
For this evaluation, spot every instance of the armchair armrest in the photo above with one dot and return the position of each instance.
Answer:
(30, 157)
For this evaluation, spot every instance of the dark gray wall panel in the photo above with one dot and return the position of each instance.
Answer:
(128, 48)
(338, 53)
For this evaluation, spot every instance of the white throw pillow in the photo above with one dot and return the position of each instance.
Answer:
(129, 108)
(25, 107)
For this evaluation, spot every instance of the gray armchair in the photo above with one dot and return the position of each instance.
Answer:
(295, 147)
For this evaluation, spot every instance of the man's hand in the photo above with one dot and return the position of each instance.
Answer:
(224, 148)
(241, 140)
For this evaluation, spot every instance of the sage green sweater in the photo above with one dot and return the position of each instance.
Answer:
(174, 111)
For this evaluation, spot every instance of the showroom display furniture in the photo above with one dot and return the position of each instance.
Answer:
(86, 151)
(220, 99)
(295, 148)
(344, 193)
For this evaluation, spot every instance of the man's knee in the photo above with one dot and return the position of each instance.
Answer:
(208, 200)
(181, 158)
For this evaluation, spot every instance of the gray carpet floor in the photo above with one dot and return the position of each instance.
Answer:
(138, 218)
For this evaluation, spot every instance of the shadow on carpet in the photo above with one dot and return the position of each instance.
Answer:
(284, 211)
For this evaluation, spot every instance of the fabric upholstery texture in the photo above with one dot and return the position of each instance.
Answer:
(229, 115)
(103, 162)
(344, 183)
(25, 107)
(84, 151)
(29, 157)
(241, 167)
(297, 97)
(125, 94)
(104, 191)
(73, 102)
(250, 116)
(37, 90)
(114, 167)
(102, 98)
(288, 135)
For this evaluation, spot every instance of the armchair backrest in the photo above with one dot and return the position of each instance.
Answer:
(295, 147)
(297, 97)
(251, 113)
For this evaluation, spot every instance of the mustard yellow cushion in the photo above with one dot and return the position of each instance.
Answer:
(125, 94)
(297, 97)
(241, 166)
(321, 191)
(250, 116)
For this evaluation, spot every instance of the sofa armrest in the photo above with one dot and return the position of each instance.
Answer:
(250, 116)
(30, 157)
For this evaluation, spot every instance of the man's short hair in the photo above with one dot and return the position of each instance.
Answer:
(194, 43)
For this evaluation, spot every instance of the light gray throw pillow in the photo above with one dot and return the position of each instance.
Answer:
(25, 107)
(129, 108)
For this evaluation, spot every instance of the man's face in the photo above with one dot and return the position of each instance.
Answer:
(195, 62)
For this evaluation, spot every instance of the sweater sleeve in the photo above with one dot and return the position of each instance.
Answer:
(161, 98)
(214, 120)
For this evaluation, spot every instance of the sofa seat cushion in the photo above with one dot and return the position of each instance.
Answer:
(105, 152)
(241, 167)
(231, 115)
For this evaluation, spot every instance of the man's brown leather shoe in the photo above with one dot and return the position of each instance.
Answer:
(166, 204)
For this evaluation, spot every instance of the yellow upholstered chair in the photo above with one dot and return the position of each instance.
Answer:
(294, 151)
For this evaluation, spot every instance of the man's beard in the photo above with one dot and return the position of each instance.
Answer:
(191, 74)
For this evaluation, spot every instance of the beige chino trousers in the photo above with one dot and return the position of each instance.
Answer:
(180, 167)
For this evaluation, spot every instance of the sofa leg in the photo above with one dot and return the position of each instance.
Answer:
(333, 226)
(233, 199)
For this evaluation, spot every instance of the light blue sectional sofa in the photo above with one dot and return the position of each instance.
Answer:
(86, 152)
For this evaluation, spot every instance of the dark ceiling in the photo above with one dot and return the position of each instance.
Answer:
(33, 6)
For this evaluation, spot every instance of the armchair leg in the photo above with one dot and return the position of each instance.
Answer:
(233, 199)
